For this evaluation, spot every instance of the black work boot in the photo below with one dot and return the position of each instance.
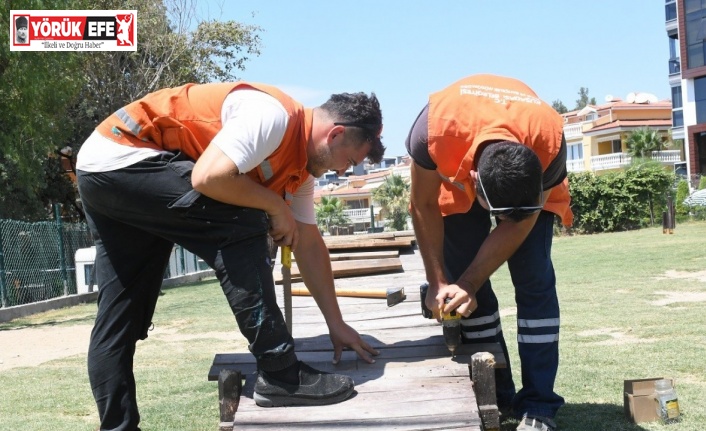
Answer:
(315, 388)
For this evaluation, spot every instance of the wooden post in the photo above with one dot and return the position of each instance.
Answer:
(483, 376)
(672, 213)
(230, 387)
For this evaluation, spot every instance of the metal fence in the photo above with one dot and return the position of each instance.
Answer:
(37, 259)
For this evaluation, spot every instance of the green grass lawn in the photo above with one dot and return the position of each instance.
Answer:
(633, 306)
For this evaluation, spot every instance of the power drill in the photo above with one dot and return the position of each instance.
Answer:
(450, 322)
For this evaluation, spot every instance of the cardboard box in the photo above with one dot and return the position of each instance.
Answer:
(639, 400)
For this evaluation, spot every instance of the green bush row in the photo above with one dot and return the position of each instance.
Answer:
(625, 200)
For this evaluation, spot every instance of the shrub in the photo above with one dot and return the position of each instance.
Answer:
(682, 193)
(619, 201)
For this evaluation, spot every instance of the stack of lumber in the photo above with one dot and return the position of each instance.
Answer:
(387, 241)
(355, 264)
(356, 255)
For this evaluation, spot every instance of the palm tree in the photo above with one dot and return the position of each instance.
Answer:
(393, 196)
(329, 212)
(643, 141)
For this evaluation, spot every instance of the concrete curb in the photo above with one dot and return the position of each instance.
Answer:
(10, 313)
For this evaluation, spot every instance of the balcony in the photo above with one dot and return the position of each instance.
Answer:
(674, 66)
(620, 160)
(576, 165)
(361, 215)
(573, 131)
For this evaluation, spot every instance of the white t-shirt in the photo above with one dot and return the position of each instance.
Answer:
(253, 126)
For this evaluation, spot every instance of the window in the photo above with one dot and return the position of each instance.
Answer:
(670, 10)
(355, 204)
(616, 146)
(700, 99)
(574, 152)
(695, 32)
(676, 97)
(674, 62)
(677, 104)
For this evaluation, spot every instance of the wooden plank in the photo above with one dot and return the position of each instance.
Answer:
(319, 355)
(381, 235)
(413, 385)
(396, 243)
(407, 406)
(364, 255)
(229, 390)
(349, 268)
(483, 376)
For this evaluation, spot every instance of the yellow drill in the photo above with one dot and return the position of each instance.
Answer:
(450, 322)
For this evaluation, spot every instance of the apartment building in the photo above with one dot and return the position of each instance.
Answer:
(596, 135)
(687, 79)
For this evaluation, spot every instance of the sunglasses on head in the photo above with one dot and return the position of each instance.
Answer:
(525, 211)
(372, 127)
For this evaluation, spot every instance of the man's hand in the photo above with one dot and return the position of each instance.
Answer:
(283, 227)
(459, 299)
(342, 335)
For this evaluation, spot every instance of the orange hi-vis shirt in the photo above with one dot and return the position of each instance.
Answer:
(481, 108)
(187, 118)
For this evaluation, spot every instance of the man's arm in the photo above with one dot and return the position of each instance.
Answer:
(314, 264)
(500, 245)
(428, 222)
(429, 230)
(216, 176)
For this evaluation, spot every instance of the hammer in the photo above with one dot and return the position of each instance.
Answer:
(394, 295)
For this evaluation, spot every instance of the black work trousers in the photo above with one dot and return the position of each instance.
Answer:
(137, 214)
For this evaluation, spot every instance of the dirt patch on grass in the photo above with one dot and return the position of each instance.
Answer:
(615, 336)
(677, 297)
(29, 347)
(671, 297)
(684, 275)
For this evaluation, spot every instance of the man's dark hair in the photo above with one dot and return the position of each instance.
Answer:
(361, 113)
(511, 174)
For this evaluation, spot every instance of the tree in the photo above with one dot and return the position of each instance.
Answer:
(329, 213)
(643, 141)
(559, 106)
(35, 88)
(393, 196)
(44, 110)
(583, 99)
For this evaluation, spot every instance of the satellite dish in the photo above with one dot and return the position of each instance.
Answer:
(610, 98)
(630, 98)
(651, 98)
(641, 98)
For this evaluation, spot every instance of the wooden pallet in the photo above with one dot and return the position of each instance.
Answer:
(413, 385)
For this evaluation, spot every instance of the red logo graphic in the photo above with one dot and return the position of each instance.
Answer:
(126, 34)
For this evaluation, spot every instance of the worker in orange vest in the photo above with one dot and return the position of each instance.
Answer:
(215, 168)
(484, 147)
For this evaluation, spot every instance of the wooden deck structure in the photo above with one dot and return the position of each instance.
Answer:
(414, 384)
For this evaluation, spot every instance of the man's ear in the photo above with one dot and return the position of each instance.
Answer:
(334, 132)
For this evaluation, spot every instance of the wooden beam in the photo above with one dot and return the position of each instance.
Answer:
(398, 243)
(483, 376)
(365, 255)
(230, 387)
(349, 268)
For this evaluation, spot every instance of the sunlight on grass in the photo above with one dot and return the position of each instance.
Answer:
(632, 306)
